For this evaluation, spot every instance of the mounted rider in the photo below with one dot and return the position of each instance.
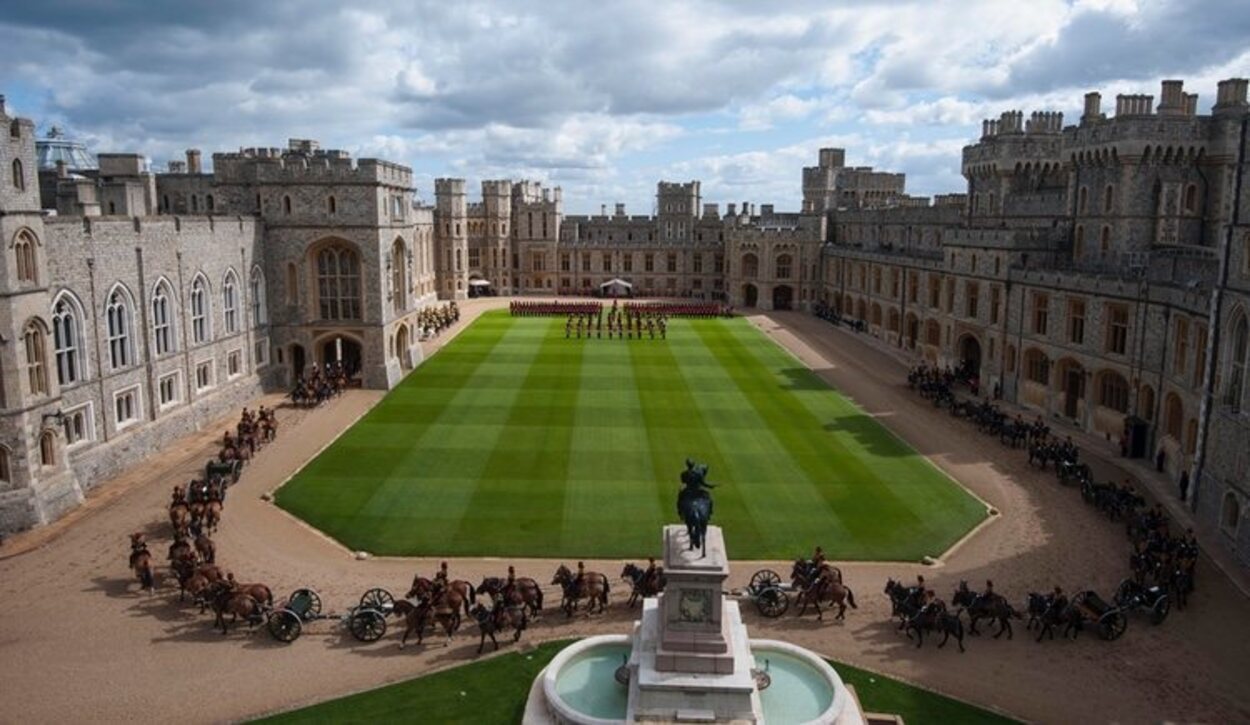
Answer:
(441, 580)
(986, 597)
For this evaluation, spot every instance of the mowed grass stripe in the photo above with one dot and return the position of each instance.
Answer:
(520, 490)
(336, 485)
(931, 512)
(677, 430)
(610, 472)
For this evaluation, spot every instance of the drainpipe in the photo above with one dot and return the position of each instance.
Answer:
(1213, 339)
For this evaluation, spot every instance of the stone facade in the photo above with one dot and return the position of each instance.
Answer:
(1095, 273)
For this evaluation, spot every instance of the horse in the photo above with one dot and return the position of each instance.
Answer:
(235, 603)
(993, 607)
(422, 588)
(261, 593)
(183, 565)
(642, 586)
(694, 505)
(523, 591)
(141, 562)
(417, 615)
(179, 516)
(593, 586)
(490, 621)
(823, 588)
(206, 548)
(1046, 612)
(933, 617)
(904, 601)
(181, 548)
(212, 515)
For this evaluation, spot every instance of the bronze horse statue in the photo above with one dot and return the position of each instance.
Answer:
(694, 504)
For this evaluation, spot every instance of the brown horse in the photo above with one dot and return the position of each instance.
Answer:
(825, 588)
(418, 615)
(261, 593)
(592, 586)
(183, 565)
(206, 548)
(179, 516)
(180, 549)
(466, 595)
(236, 604)
(141, 561)
(490, 621)
(212, 515)
(523, 591)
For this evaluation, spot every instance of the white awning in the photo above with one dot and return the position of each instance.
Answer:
(479, 283)
(617, 281)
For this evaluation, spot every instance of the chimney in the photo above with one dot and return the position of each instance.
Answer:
(620, 209)
(2, 111)
(603, 210)
(1093, 107)
(193, 161)
(731, 209)
(1172, 98)
(1230, 95)
(1191, 104)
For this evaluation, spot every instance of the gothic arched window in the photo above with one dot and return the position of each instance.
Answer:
(338, 283)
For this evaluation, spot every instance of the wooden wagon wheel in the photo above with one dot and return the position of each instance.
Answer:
(1124, 593)
(772, 602)
(764, 579)
(284, 625)
(379, 599)
(1159, 611)
(314, 601)
(1112, 624)
(367, 625)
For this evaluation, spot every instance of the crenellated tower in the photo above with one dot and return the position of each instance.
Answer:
(452, 238)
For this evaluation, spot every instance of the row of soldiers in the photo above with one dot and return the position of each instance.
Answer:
(617, 324)
(433, 320)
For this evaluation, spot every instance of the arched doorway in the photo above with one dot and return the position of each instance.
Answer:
(298, 362)
(970, 355)
(401, 348)
(750, 295)
(1072, 384)
(913, 330)
(339, 348)
(783, 297)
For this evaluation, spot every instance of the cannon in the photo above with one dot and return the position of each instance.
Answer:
(366, 621)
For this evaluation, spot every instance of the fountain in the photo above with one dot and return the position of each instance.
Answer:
(689, 660)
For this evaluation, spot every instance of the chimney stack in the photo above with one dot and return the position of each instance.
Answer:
(620, 209)
(2, 111)
(603, 210)
(731, 209)
(193, 161)
(1172, 98)
(1093, 107)
(1231, 95)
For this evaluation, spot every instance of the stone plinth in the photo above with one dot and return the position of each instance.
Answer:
(692, 632)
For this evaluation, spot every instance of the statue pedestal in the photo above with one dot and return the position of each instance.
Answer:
(691, 658)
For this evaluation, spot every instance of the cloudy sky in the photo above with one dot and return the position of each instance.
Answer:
(603, 98)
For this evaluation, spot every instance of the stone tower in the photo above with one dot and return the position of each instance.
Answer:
(495, 252)
(451, 233)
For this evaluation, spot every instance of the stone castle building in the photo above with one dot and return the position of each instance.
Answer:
(1098, 272)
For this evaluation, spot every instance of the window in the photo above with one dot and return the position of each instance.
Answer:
(126, 407)
(5, 473)
(118, 316)
(566, 262)
(79, 425)
(1084, 200)
(230, 303)
(1200, 354)
(1180, 347)
(47, 448)
(607, 263)
(338, 283)
(1078, 243)
(168, 388)
(36, 361)
(1108, 195)
(286, 205)
(995, 294)
(259, 313)
(209, 204)
(1041, 313)
(913, 288)
(627, 262)
(1173, 416)
(399, 275)
(876, 280)
(1117, 330)
(1237, 363)
(750, 266)
(199, 311)
(784, 263)
(67, 339)
(1104, 242)
(950, 295)
(585, 262)
(696, 264)
(19, 175)
(24, 253)
(972, 291)
(671, 263)
(234, 364)
(1037, 366)
(260, 353)
(1113, 392)
(1191, 199)
(292, 284)
(162, 320)
(332, 206)
(935, 291)
(203, 375)
(648, 262)
(1230, 513)
(1076, 321)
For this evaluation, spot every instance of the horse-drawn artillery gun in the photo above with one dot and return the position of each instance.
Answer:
(1087, 606)
(228, 470)
(366, 621)
(770, 595)
(1132, 596)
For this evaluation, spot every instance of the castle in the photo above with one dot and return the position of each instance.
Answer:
(1097, 272)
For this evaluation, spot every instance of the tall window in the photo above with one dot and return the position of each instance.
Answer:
(1113, 392)
(1076, 321)
(67, 340)
(230, 302)
(750, 266)
(399, 278)
(1237, 363)
(1041, 313)
(47, 448)
(338, 283)
(972, 292)
(118, 314)
(286, 205)
(1200, 354)
(162, 320)
(24, 252)
(1117, 329)
(258, 297)
(5, 472)
(19, 175)
(1173, 416)
(995, 294)
(784, 263)
(36, 365)
(332, 206)
(1180, 350)
(199, 311)
(1037, 366)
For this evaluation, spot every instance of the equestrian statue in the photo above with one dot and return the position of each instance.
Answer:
(694, 504)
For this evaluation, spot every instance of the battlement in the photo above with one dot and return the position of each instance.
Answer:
(153, 232)
(307, 163)
(1012, 122)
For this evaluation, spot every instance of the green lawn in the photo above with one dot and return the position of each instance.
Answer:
(494, 691)
(514, 441)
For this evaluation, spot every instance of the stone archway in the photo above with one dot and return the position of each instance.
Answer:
(299, 362)
(750, 295)
(1072, 385)
(401, 348)
(970, 354)
(783, 297)
(338, 348)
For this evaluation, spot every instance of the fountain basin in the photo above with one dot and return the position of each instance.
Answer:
(579, 683)
(804, 688)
